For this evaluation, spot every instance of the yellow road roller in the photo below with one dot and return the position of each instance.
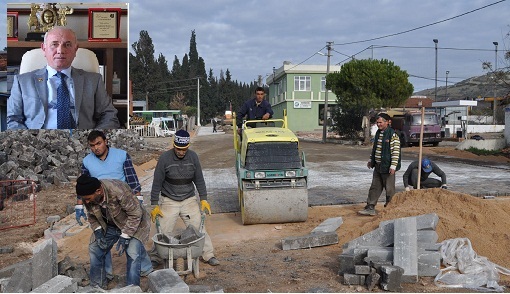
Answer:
(271, 173)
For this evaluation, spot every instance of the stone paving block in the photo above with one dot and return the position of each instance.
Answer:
(167, 281)
(362, 269)
(129, 289)
(429, 247)
(309, 241)
(346, 263)
(21, 279)
(189, 235)
(391, 278)
(352, 279)
(7, 271)
(372, 280)
(427, 237)
(328, 226)
(359, 255)
(44, 262)
(383, 253)
(423, 222)
(429, 263)
(380, 237)
(378, 264)
(405, 248)
(58, 284)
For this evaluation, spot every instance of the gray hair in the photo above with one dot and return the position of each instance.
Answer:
(60, 28)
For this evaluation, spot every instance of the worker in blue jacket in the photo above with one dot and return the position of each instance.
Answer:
(427, 167)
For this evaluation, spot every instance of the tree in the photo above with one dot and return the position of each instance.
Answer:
(363, 85)
(143, 70)
(499, 77)
(177, 88)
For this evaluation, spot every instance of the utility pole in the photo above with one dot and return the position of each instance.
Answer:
(435, 87)
(325, 118)
(446, 88)
(494, 121)
(198, 101)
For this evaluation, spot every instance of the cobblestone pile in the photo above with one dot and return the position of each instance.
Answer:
(52, 156)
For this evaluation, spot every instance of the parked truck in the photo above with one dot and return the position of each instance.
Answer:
(408, 126)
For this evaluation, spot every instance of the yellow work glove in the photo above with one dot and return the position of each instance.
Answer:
(156, 212)
(205, 205)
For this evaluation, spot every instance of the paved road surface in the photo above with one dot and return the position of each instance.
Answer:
(337, 173)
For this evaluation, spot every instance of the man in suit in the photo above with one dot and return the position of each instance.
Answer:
(36, 97)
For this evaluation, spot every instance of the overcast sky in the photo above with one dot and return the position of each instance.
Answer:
(251, 37)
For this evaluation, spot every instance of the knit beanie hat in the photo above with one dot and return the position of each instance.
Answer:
(87, 185)
(385, 116)
(181, 139)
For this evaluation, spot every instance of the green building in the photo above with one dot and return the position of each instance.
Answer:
(301, 90)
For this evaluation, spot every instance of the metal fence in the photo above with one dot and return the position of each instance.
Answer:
(144, 131)
(17, 203)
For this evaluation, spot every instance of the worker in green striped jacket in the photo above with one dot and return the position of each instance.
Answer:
(385, 160)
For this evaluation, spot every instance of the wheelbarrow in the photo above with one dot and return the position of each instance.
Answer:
(190, 251)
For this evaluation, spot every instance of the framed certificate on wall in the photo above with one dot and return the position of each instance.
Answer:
(12, 26)
(104, 24)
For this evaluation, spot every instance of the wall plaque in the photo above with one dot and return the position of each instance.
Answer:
(104, 24)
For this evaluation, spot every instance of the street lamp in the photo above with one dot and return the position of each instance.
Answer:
(446, 93)
(496, 56)
(435, 87)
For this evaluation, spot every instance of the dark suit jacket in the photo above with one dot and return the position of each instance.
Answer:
(28, 104)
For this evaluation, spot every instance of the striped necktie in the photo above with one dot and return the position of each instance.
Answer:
(64, 117)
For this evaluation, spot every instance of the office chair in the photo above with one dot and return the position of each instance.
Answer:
(34, 59)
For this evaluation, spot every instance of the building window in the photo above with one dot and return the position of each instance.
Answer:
(323, 84)
(302, 83)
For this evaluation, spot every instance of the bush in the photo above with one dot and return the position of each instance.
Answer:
(483, 151)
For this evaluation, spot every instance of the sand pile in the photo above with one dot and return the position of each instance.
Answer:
(485, 222)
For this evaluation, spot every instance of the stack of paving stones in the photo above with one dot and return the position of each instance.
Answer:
(52, 156)
(398, 251)
(42, 274)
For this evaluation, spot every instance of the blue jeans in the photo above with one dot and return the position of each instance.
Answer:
(135, 253)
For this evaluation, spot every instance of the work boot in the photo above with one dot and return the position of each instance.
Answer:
(212, 261)
(369, 210)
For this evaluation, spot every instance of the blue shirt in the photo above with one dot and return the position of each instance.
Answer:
(253, 110)
(116, 165)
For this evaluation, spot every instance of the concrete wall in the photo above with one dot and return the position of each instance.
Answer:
(478, 129)
(487, 144)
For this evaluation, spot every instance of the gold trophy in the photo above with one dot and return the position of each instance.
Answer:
(43, 17)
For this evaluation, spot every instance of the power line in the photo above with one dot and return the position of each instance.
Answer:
(307, 58)
(421, 27)
(403, 32)
(429, 47)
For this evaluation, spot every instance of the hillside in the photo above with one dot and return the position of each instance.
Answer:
(468, 89)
